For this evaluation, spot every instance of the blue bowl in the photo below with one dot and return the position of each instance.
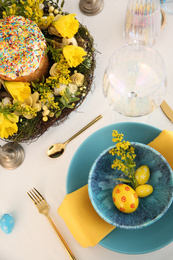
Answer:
(102, 180)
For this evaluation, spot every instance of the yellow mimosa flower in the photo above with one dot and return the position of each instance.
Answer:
(67, 25)
(18, 90)
(74, 55)
(8, 125)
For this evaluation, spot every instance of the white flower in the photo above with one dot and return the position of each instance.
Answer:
(72, 88)
(41, 6)
(57, 90)
(6, 101)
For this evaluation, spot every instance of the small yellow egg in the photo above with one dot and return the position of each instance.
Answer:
(144, 190)
(125, 198)
(142, 174)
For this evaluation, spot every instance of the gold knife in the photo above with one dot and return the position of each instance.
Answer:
(167, 110)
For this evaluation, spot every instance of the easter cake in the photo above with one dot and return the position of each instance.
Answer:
(22, 50)
(47, 62)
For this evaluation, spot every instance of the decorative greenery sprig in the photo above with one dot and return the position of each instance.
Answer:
(28, 8)
(124, 155)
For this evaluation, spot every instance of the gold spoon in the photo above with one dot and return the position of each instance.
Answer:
(57, 150)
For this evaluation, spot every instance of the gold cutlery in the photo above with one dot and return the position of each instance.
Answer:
(167, 110)
(57, 149)
(43, 208)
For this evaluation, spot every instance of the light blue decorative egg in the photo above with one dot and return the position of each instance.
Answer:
(7, 223)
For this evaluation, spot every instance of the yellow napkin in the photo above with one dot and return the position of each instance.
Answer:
(164, 145)
(87, 227)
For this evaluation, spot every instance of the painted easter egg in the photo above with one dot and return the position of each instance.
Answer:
(144, 190)
(142, 174)
(7, 223)
(125, 198)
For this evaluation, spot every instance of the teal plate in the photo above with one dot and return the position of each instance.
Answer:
(138, 241)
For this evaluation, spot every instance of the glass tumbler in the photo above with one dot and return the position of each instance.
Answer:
(142, 22)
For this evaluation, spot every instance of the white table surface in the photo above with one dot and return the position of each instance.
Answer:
(32, 237)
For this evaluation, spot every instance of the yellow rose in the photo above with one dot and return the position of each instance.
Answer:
(66, 25)
(18, 90)
(8, 125)
(54, 70)
(77, 79)
(74, 55)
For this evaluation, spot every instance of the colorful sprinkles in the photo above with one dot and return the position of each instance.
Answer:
(22, 46)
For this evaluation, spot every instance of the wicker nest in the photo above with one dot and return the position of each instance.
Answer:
(30, 130)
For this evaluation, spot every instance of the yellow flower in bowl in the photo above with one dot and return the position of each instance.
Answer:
(8, 125)
(66, 25)
(18, 90)
(74, 55)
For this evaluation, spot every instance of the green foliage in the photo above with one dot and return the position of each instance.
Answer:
(54, 53)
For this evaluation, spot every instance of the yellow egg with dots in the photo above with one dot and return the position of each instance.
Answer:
(125, 198)
(142, 174)
(144, 190)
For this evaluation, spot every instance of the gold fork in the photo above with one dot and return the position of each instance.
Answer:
(43, 208)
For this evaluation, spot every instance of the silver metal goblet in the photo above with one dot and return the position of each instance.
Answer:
(91, 7)
(11, 155)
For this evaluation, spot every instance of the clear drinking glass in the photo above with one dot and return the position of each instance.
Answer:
(134, 82)
(142, 22)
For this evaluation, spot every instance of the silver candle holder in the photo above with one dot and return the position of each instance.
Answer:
(91, 7)
(11, 155)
